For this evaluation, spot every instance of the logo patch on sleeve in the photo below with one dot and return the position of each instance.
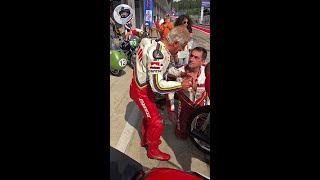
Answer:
(157, 54)
(155, 65)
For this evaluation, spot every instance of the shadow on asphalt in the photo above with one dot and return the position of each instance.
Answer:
(123, 72)
(129, 108)
(184, 150)
(127, 115)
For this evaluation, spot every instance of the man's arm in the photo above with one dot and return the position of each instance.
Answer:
(172, 115)
(156, 73)
(159, 85)
(174, 71)
(170, 102)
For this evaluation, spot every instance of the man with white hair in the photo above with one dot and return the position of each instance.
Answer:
(152, 63)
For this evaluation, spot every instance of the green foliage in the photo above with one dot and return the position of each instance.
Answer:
(191, 7)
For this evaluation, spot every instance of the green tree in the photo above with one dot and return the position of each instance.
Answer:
(191, 7)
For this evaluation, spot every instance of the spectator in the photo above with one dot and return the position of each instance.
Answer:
(157, 27)
(128, 27)
(187, 22)
(166, 27)
(118, 28)
(147, 30)
(112, 28)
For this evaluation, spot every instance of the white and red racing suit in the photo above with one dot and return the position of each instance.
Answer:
(188, 101)
(148, 78)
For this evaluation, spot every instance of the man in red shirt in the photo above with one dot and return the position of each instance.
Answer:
(156, 27)
(157, 23)
(207, 82)
(191, 98)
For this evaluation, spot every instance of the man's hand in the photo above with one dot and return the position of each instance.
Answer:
(171, 77)
(172, 116)
(176, 59)
(186, 83)
(183, 74)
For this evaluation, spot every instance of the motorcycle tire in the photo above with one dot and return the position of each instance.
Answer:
(132, 59)
(176, 96)
(116, 72)
(200, 113)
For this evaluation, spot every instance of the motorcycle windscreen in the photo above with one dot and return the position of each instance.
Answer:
(122, 167)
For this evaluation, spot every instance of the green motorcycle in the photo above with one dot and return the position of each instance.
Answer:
(118, 59)
(129, 48)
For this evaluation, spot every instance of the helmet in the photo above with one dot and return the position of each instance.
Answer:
(123, 14)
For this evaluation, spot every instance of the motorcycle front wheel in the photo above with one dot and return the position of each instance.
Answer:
(200, 138)
(133, 59)
(116, 72)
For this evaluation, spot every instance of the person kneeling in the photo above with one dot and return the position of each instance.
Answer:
(191, 98)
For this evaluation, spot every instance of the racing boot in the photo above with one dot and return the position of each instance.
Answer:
(153, 141)
(155, 153)
(144, 128)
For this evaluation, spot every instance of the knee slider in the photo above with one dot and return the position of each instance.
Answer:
(158, 123)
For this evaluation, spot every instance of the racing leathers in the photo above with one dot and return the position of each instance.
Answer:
(148, 79)
(207, 84)
(190, 99)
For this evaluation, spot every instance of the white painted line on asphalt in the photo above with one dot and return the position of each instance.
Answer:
(128, 130)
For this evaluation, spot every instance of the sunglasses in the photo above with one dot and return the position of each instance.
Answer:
(185, 22)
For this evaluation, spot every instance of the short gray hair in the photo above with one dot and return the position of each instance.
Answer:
(179, 34)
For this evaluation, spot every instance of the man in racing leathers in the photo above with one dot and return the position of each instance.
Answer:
(192, 98)
(151, 65)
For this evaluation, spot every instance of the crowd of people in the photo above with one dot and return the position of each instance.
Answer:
(168, 65)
